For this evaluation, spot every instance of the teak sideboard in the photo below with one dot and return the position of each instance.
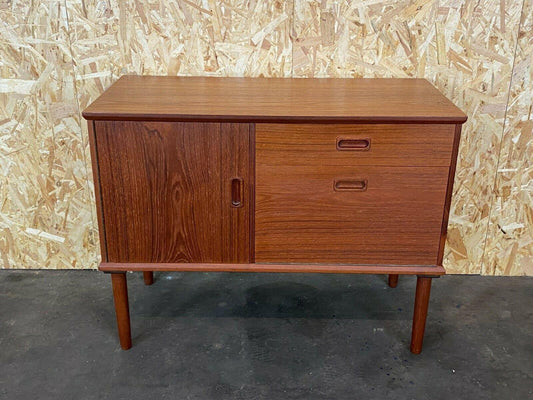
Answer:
(273, 175)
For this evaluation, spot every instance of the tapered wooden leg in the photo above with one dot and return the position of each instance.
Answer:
(120, 294)
(393, 280)
(423, 288)
(148, 277)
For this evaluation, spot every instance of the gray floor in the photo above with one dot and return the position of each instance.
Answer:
(263, 336)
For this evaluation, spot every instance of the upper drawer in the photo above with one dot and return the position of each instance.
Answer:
(357, 144)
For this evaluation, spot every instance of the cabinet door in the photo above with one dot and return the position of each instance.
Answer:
(174, 191)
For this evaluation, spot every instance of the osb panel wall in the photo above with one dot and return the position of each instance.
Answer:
(509, 249)
(46, 213)
(60, 55)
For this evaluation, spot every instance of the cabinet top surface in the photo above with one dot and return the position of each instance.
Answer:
(273, 100)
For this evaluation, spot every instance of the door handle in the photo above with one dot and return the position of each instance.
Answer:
(353, 144)
(352, 185)
(236, 192)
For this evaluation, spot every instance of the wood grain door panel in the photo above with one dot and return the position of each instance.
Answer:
(166, 191)
(301, 217)
(356, 144)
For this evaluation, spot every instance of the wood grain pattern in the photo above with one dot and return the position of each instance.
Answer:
(423, 290)
(273, 99)
(449, 192)
(300, 218)
(165, 194)
(235, 163)
(252, 156)
(389, 144)
(122, 311)
(97, 193)
(431, 270)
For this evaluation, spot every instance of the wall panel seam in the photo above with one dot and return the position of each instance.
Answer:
(483, 270)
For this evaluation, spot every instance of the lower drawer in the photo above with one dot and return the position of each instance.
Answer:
(352, 215)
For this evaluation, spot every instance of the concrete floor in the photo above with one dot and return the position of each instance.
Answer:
(263, 336)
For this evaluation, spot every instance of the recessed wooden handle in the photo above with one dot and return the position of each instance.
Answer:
(353, 144)
(236, 192)
(355, 185)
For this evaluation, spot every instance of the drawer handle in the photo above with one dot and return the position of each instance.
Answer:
(236, 192)
(353, 144)
(356, 185)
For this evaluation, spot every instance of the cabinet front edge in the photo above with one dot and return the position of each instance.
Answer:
(432, 270)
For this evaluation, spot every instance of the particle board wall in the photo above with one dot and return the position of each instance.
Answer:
(509, 248)
(46, 211)
(58, 56)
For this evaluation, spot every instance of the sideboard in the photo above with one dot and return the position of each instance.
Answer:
(273, 175)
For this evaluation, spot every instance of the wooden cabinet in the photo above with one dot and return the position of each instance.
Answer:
(273, 175)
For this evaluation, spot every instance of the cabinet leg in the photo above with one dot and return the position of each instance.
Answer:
(393, 280)
(148, 277)
(120, 295)
(423, 288)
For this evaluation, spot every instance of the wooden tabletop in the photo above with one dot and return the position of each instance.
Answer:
(273, 100)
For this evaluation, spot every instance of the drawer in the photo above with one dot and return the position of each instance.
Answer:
(356, 144)
(348, 214)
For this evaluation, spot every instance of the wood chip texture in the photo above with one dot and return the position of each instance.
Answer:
(56, 56)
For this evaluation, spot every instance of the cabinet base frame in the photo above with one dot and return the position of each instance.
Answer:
(423, 285)
(430, 270)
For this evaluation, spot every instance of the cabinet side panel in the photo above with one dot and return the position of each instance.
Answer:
(449, 192)
(97, 194)
(235, 165)
(161, 191)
